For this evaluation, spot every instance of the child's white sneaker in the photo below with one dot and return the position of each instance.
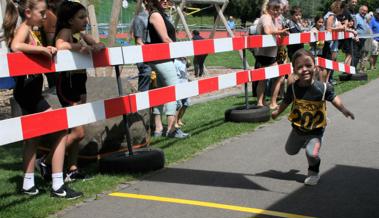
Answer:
(312, 178)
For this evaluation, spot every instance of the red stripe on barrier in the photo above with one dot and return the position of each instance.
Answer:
(321, 62)
(18, 63)
(203, 47)
(44, 123)
(258, 74)
(305, 38)
(283, 40)
(284, 69)
(117, 106)
(133, 103)
(154, 52)
(208, 85)
(255, 42)
(335, 35)
(336, 66)
(321, 36)
(101, 58)
(347, 69)
(238, 43)
(162, 96)
(346, 35)
(243, 77)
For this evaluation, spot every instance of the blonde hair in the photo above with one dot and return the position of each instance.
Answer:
(14, 10)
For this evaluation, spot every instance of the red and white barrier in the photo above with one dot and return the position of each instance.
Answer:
(17, 64)
(34, 125)
(333, 65)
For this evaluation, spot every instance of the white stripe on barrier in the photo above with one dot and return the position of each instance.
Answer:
(85, 113)
(186, 90)
(4, 70)
(181, 49)
(352, 70)
(227, 81)
(341, 67)
(329, 64)
(115, 56)
(328, 36)
(341, 35)
(268, 41)
(11, 131)
(223, 45)
(313, 37)
(66, 60)
(132, 54)
(272, 72)
(142, 100)
(295, 38)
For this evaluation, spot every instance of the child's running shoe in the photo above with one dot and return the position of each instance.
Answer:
(74, 175)
(32, 191)
(66, 192)
(312, 178)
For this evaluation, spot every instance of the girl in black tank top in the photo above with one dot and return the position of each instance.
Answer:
(154, 36)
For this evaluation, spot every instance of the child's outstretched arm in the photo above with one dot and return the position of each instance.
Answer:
(277, 112)
(96, 46)
(338, 104)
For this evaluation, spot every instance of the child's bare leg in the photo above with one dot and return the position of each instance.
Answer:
(261, 93)
(275, 92)
(73, 140)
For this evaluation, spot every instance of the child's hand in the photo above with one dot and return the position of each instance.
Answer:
(47, 52)
(284, 32)
(85, 49)
(52, 49)
(275, 114)
(347, 113)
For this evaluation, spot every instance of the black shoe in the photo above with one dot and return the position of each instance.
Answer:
(66, 192)
(32, 191)
(44, 169)
(75, 175)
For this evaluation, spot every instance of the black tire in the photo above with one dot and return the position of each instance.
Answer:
(142, 160)
(345, 77)
(353, 77)
(253, 114)
(359, 76)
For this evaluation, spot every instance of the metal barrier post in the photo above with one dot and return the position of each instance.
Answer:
(244, 59)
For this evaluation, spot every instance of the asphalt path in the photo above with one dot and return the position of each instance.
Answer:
(252, 176)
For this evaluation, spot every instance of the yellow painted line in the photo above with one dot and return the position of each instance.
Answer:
(207, 204)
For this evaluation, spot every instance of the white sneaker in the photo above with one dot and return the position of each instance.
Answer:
(312, 180)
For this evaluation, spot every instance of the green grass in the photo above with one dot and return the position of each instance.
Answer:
(205, 122)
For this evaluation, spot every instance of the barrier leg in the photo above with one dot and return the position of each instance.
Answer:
(246, 89)
(125, 120)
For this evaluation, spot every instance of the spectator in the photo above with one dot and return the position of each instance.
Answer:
(317, 47)
(348, 43)
(161, 30)
(28, 92)
(332, 24)
(266, 57)
(362, 29)
(374, 25)
(294, 26)
(183, 104)
(141, 37)
(231, 23)
(198, 60)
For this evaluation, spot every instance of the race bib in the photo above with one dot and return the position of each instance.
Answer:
(308, 115)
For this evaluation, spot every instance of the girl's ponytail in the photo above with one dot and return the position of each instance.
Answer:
(10, 21)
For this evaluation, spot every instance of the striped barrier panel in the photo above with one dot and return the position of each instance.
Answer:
(34, 125)
(333, 65)
(18, 64)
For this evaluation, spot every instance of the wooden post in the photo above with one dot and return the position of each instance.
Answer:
(116, 9)
(217, 21)
(184, 22)
(93, 20)
(181, 6)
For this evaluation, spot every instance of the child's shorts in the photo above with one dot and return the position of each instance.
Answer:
(71, 87)
(334, 46)
(183, 103)
(375, 47)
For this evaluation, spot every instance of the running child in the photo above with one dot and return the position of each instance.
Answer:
(308, 113)
(72, 20)
(28, 91)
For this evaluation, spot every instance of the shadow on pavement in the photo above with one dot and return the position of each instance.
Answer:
(343, 191)
(205, 178)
